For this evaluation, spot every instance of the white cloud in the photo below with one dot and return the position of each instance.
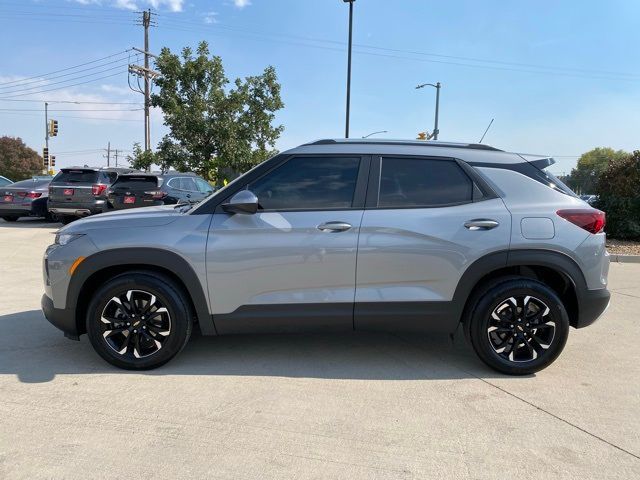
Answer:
(210, 17)
(242, 3)
(171, 5)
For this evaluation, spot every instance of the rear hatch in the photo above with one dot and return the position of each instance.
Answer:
(135, 190)
(74, 185)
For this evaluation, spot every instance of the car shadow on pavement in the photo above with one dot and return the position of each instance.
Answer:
(36, 352)
(30, 223)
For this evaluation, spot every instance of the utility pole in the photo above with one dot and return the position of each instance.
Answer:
(108, 153)
(46, 134)
(146, 21)
(346, 127)
(147, 74)
(116, 155)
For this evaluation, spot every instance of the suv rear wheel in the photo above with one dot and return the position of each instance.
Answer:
(139, 320)
(517, 326)
(9, 218)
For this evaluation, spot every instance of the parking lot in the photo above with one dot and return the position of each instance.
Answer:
(310, 406)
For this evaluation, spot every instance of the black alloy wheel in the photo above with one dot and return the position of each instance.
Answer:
(139, 320)
(517, 325)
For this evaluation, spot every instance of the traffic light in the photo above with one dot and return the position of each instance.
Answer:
(422, 136)
(53, 161)
(45, 156)
(53, 128)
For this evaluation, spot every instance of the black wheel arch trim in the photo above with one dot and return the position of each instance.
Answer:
(138, 258)
(591, 303)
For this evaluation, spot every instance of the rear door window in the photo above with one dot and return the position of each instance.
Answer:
(76, 176)
(203, 186)
(422, 182)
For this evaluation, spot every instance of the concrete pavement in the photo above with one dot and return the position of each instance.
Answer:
(310, 406)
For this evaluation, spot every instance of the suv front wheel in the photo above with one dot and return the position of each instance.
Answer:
(517, 326)
(139, 320)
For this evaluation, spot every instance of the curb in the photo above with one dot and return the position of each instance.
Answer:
(625, 258)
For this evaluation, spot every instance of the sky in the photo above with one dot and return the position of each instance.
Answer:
(558, 77)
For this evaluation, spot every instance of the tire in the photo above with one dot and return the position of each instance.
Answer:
(66, 219)
(165, 333)
(51, 217)
(10, 218)
(494, 321)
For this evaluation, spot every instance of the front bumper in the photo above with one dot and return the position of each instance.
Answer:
(592, 305)
(61, 318)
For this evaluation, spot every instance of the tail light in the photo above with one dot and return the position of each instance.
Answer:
(98, 188)
(29, 194)
(592, 220)
(156, 194)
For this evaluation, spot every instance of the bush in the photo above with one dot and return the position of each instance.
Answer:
(619, 197)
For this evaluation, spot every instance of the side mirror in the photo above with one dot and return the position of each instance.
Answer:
(244, 202)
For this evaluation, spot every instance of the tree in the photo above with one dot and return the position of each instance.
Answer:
(214, 128)
(141, 160)
(619, 196)
(17, 161)
(584, 177)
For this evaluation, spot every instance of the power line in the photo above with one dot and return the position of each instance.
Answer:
(65, 86)
(541, 69)
(46, 77)
(28, 114)
(69, 68)
(75, 102)
(71, 110)
(20, 90)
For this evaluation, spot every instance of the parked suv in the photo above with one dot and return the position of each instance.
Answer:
(76, 192)
(338, 235)
(147, 189)
(25, 198)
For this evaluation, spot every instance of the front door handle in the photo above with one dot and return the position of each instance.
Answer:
(481, 224)
(334, 226)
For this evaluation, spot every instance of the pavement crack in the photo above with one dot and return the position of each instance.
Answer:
(531, 404)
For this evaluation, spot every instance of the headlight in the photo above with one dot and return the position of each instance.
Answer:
(64, 238)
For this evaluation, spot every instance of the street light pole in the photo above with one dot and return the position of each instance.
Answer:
(346, 128)
(437, 86)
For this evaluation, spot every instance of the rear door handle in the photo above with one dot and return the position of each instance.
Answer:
(481, 224)
(334, 226)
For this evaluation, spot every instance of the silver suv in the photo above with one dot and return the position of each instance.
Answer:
(342, 235)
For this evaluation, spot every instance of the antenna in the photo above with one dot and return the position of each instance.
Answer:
(485, 132)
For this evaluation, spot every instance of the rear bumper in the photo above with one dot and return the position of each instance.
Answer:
(15, 211)
(592, 305)
(60, 318)
(78, 209)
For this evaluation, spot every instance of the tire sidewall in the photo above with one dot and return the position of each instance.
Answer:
(498, 294)
(170, 297)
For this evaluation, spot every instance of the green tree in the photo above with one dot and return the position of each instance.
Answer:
(584, 178)
(215, 127)
(619, 196)
(142, 160)
(17, 161)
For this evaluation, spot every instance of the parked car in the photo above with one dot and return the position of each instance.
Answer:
(590, 199)
(338, 235)
(77, 192)
(148, 189)
(4, 181)
(27, 198)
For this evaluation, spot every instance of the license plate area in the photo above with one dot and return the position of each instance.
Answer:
(129, 199)
(68, 192)
(8, 198)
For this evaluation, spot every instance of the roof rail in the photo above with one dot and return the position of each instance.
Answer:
(473, 146)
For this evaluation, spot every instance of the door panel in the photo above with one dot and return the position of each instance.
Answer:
(260, 266)
(412, 256)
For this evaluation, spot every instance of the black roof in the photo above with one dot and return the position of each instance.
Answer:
(102, 169)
